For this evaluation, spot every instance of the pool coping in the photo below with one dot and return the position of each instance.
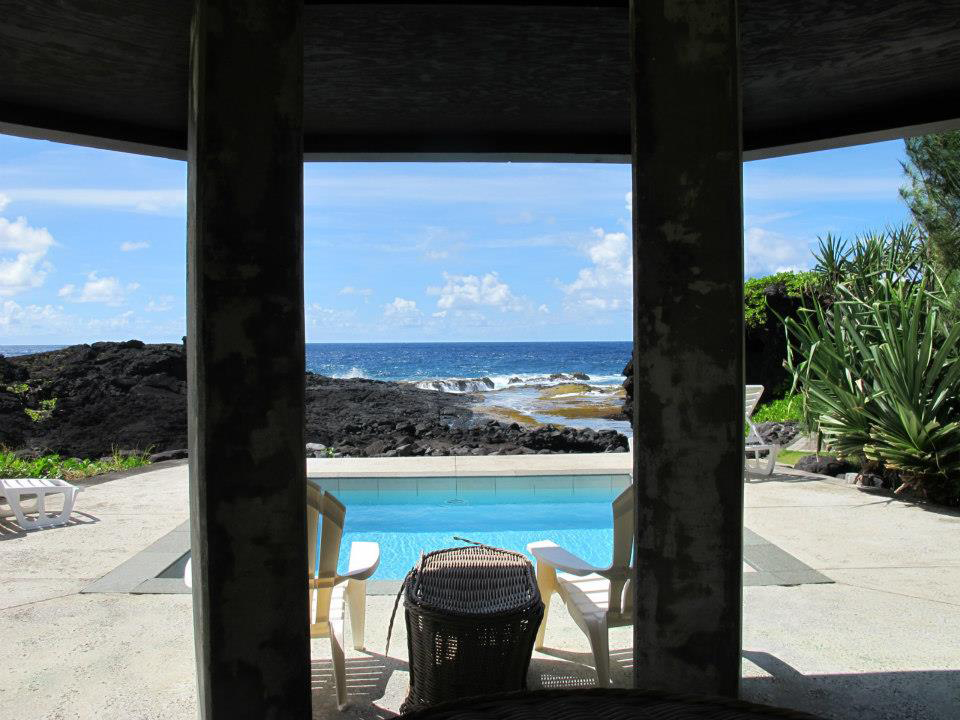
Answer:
(770, 565)
(473, 466)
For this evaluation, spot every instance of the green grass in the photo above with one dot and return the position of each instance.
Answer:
(786, 409)
(54, 466)
(790, 457)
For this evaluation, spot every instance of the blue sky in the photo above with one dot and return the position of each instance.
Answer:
(92, 242)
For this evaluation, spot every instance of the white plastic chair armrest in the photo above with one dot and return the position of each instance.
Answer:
(364, 561)
(550, 553)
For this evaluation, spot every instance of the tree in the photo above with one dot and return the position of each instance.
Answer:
(933, 194)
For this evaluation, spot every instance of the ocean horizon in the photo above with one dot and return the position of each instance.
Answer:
(601, 361)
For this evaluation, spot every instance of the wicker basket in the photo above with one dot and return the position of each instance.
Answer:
(472, 615)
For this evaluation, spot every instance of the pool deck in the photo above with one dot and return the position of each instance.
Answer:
(877, 642)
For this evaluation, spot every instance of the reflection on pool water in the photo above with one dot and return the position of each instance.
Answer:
(408, 516)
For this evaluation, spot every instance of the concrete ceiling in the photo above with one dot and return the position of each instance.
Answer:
(487, 80)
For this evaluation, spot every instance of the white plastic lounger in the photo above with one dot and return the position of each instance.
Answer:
(596, 598)
(28, 495)
(755, 463)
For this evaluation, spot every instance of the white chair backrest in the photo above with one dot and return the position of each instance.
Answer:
(752, 397)
(326, 515)
(624, 535)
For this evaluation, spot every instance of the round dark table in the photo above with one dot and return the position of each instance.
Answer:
(599, 704)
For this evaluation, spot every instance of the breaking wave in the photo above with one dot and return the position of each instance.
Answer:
(351, 374)
(492, 383)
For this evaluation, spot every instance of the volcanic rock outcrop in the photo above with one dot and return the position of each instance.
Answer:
(89, 400)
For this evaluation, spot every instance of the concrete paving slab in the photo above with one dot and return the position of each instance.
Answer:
(850, 653)
(99, 656)
(884, 533)
(937, 584)
(875, 645)
(24, 591)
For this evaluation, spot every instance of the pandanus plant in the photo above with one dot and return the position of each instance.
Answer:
(878, 365)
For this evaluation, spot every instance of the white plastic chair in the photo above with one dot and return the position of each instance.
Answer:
(596, 598)
(754, 446)
(327, 589)
(28, 495)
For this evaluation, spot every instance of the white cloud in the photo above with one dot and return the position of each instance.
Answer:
(400, 306)
(161, 304)
(521, 186)
(16, 320)
(544, 309)
(607, 284)
(767, 252)
(471, 290)
(350, 290)
(164, 200)
(402, 312)
(767, 218)
(629, 199)
(436, 254)
(111, 323)
(4, 201)
(131, 246)
(318, 316)
(26, 268)
(106, 290)
(599, 303)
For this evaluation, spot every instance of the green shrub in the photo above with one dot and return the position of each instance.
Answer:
(54, 466)
(879, 366)
(43, 412)
(785, 409)
(798, 285)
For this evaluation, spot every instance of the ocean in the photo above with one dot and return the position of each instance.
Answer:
(510, 376)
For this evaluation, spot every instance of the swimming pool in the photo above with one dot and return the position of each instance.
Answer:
(408, 516)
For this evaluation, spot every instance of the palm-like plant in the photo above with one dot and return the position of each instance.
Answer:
(879, 366)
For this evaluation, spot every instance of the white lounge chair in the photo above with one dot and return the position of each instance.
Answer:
(29, 495)
(597, 598)
(327, 589)
(754, 446)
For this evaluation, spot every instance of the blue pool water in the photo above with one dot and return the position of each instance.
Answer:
(414, 517)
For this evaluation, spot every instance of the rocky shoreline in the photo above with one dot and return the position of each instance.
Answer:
(89, 400)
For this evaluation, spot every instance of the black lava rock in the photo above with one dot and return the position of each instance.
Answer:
(779, 433)
(824, 465)
(134, 396)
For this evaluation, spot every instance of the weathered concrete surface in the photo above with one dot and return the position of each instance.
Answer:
(688, 343)
(876, 645)
(245, 358)
(111, 523)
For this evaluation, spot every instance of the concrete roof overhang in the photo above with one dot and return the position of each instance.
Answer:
(495, 80)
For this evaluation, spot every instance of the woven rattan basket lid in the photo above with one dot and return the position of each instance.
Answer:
(472, 581)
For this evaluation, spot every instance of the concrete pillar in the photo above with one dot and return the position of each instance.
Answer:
(245, 354)
(688, 344)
